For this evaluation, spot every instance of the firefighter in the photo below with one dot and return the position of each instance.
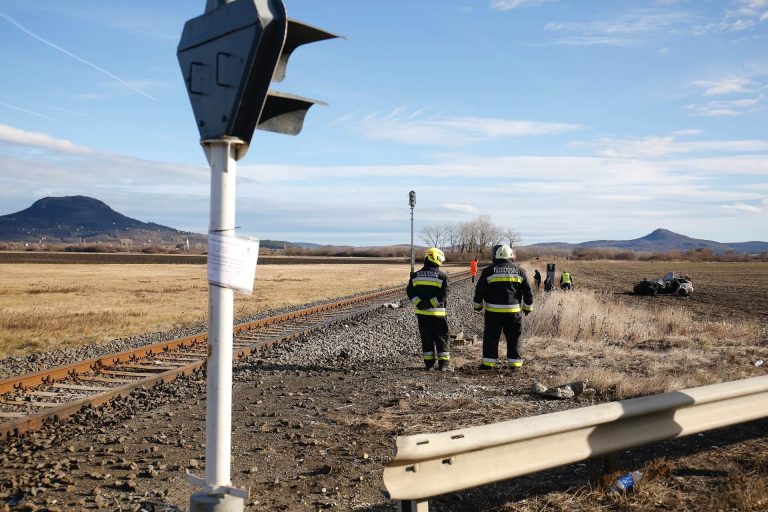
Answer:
(537, 278)
(428, 290)
(566, 281)
(504, 293)
(473, 268)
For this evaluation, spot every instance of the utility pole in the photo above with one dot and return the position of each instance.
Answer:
(412, 203)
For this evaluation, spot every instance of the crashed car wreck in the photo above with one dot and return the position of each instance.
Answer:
(670, 284)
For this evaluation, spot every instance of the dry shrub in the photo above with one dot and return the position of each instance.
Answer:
(657, 469)
(618, 385)
(743, 491)
(626, 352)
(583, 315)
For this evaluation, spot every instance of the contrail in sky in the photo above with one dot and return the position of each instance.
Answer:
(65, 52)
(29, 112)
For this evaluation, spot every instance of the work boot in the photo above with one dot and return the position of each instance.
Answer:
(444, 366)
(428, 365)
(486, 367)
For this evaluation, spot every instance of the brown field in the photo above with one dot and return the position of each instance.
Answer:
(625, 346)
(44, 306)
(721, 290)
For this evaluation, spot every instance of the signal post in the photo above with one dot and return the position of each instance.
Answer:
(228, 57)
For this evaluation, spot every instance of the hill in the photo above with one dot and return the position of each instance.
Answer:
(74, 219)
(661, 240)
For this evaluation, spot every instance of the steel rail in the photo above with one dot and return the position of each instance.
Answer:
(429, 465)
(164, 361)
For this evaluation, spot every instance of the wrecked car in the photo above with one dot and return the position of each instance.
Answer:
(670, 284)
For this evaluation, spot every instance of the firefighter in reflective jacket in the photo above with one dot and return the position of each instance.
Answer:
(504, 293)
(566, 281)
(428, 290)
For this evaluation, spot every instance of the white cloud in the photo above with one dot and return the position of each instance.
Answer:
(415, 129)
(11, 135)
(566, 197)
(741, 15)
(734, 85)
(508, 5)
(463, 208)
(664, 146)
(720, 108)
(742, 208)
(750, 9)
(634, 22)
(593, 41)
(630, 29)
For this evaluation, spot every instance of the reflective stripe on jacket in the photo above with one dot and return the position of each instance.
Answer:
(503, 288)
(565, 278)
(428, 290)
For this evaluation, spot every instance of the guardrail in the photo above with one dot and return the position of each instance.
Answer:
(428, 465)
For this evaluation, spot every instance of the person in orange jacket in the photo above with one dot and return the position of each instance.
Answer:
(473, 268)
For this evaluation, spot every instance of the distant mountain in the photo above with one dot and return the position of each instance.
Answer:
(73, 219)
(661, 240)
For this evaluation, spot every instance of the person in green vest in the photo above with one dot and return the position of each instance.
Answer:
(566, 281)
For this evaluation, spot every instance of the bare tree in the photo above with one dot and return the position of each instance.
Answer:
(451, 236)
(487, 232)
(433, 235)
(511, 236)
(476, 235)
(467, 237)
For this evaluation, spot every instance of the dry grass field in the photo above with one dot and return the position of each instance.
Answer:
(624, 345)
(721, 290)
(628, 345)
(46, 306)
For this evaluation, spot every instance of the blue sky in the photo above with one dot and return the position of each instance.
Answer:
(569, 120)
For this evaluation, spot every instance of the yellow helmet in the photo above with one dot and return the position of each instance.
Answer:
(435, 255)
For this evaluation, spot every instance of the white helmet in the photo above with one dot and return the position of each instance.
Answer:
(504, 252)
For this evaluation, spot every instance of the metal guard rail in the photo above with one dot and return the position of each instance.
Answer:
(429, 465)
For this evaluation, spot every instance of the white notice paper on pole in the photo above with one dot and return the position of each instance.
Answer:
(232, 261)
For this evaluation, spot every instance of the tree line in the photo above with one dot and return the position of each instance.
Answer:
(476, 236)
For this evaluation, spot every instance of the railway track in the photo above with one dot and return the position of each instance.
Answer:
(28, 401)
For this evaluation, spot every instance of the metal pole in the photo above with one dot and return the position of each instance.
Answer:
(411, 239)
(222, 154)
(413, 506)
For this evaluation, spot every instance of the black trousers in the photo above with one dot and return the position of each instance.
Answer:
(434, 338)
(512, 325)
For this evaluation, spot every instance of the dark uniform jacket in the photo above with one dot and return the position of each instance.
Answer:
(428, 290)
(503, 288)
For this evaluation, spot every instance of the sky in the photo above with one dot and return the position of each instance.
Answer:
(567, 120)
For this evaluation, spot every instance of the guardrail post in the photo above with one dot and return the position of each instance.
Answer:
(413, 506)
